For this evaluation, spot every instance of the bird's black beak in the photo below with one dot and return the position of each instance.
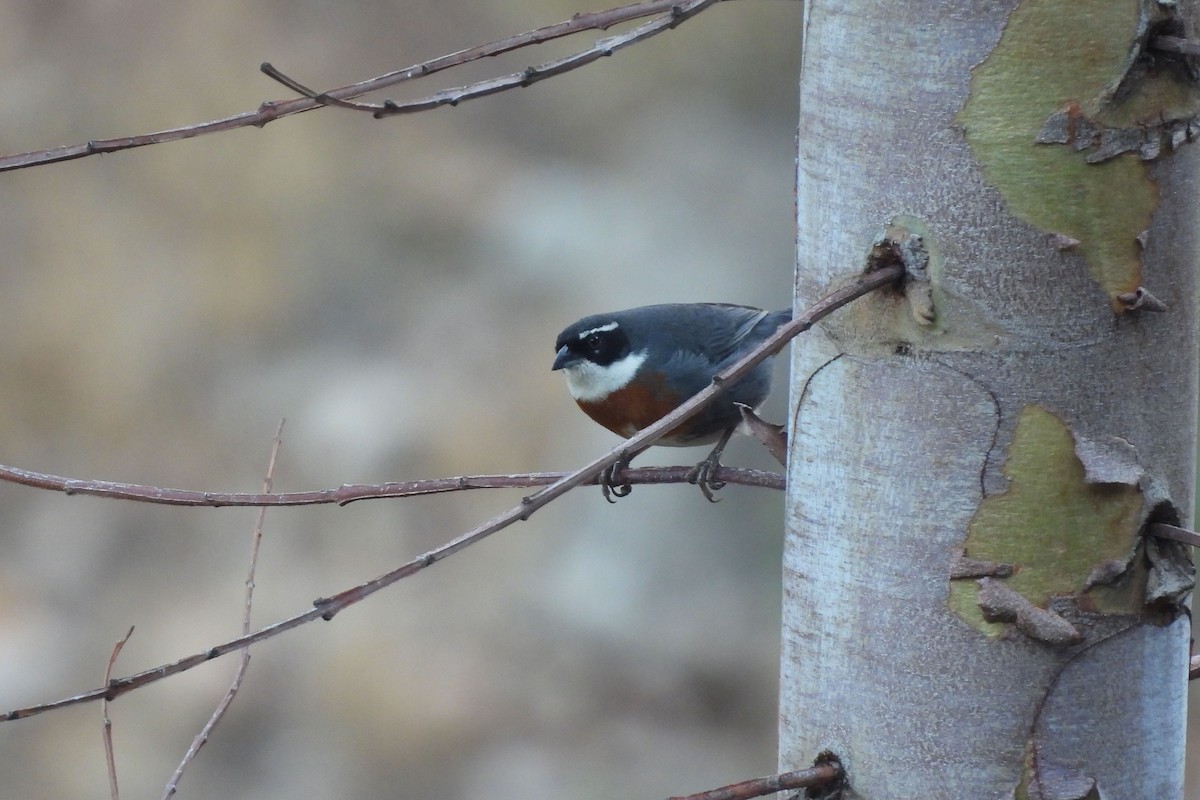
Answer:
(565, 358)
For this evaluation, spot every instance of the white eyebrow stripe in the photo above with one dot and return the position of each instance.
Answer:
(612, 326)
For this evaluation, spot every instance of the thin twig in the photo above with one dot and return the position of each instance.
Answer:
(327, 608)
(109, 757)
(675, 14)
(820, 775)
(1173, 532)
(244, 662)
(1174, 44)
(349, 493)
(272, 110)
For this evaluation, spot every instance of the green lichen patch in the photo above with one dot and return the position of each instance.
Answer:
(1053, 55)
(1052, 525)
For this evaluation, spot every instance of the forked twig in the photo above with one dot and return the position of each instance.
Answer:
(273, 110)
(676, 13)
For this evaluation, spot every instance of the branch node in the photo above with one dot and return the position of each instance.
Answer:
(965, 567)
(899, 246)
(1140, 299)
(526, 501)
(1000, 603)
(388, 107)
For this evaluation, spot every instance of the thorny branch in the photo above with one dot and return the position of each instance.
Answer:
(327, 608)
(272, 110)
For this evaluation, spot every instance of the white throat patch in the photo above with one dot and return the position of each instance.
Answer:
(589, 381)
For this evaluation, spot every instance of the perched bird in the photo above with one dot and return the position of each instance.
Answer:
(629, 369)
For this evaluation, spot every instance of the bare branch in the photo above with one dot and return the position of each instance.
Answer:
(109, 757)
(676, 13)
(819, 775)
(244, 663)
(272, 110)
(349, 493)
(328, 607)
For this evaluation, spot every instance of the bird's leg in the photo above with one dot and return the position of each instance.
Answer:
(702, 474)
(608, 478)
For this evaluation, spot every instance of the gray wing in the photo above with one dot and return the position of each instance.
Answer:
(713, 335)
(723, 328)
(745, 327)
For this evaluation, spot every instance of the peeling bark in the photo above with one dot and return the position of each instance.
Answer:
(971, 609)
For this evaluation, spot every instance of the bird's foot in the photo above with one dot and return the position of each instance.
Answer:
(704, 474)
(612, 488)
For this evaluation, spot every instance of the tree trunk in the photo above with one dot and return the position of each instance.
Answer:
(971, 609)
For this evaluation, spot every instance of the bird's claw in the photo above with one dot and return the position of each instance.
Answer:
(609, 485)
(704, 476)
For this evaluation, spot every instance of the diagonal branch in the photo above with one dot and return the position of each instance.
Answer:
(327, 608)
(819, 775)
(272, 110)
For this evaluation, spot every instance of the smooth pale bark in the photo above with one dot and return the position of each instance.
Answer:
(1032, 418)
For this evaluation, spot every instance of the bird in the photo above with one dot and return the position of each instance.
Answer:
(628, 369)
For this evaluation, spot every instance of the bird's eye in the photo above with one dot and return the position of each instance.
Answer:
(594, 343)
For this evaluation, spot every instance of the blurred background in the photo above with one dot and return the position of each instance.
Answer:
(393, 288)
